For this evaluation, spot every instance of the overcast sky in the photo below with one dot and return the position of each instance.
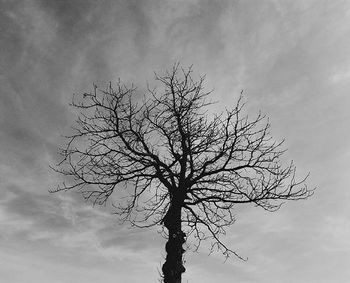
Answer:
(291, 58)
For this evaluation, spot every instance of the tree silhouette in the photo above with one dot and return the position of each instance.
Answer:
(181, 166)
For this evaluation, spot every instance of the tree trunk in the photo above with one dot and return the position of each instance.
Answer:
(173, 268)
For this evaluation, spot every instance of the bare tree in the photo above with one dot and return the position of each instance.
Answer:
(181, 166)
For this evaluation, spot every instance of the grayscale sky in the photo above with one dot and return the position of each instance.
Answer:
(291, 58)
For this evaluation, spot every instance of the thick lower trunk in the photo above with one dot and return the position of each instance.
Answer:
(173, 267)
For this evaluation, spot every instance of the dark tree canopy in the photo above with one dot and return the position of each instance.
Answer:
(167, 150)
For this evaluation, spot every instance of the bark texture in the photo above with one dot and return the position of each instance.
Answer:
(173, 266)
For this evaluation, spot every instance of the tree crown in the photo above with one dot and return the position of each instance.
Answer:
(167, 150)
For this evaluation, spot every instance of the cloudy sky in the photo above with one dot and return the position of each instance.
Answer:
(291, 58)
